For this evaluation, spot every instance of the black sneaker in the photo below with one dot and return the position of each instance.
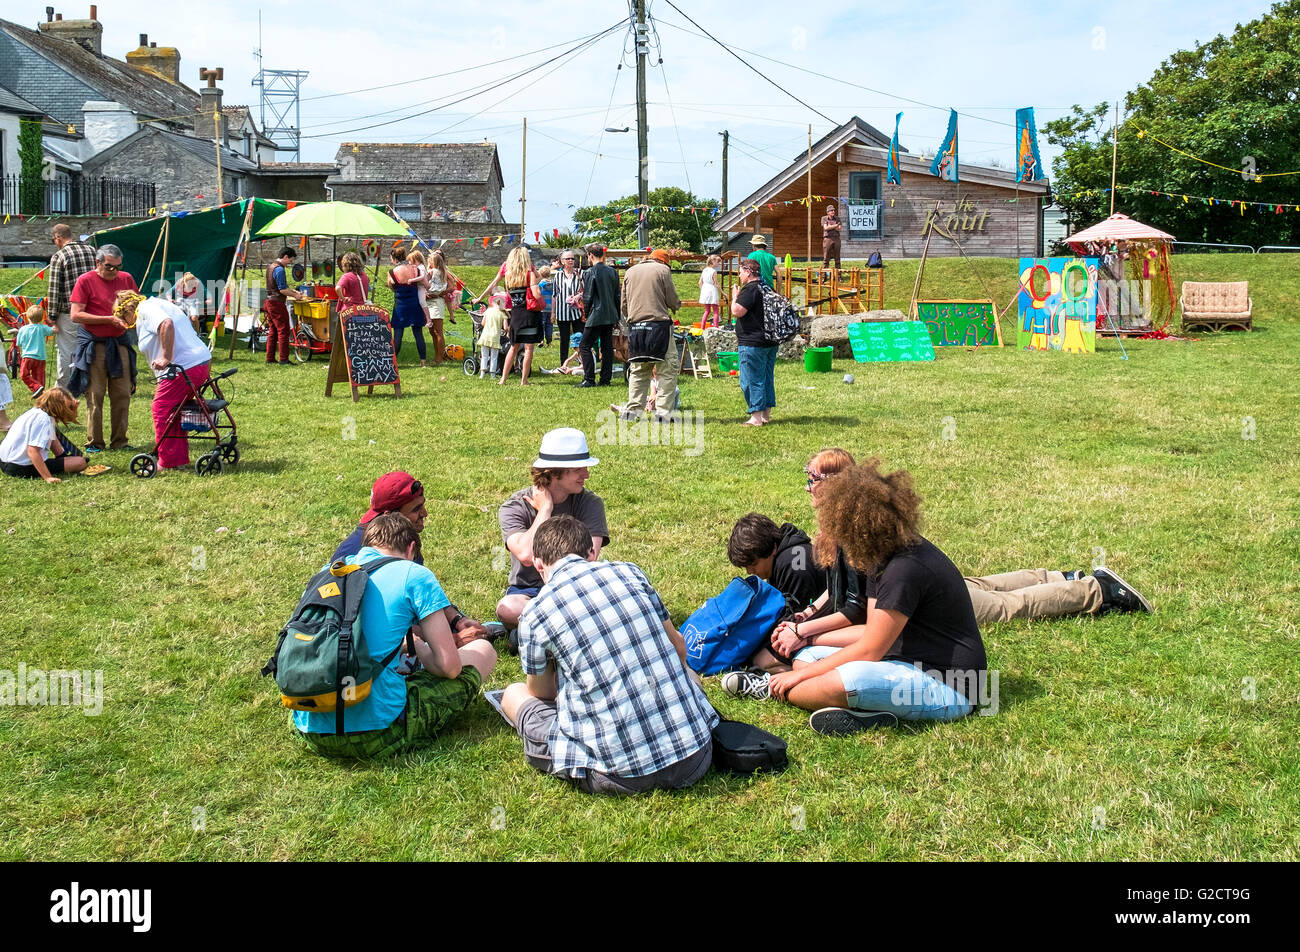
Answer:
(838, 721)
(1117, 595)
(585, 383)
(512, 641)
(749, 683)
(1074, 576)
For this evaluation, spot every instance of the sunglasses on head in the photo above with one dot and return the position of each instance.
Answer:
(417, 488)
(814, 480)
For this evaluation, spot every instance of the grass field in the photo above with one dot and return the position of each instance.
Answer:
(1163, 737)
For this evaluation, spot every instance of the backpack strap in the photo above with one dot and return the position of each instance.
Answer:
(351, 608)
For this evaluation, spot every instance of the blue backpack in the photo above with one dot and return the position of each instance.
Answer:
(727, 629)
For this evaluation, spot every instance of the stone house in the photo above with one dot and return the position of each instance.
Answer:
(429, 182)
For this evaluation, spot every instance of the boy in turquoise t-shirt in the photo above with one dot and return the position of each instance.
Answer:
(31, 348)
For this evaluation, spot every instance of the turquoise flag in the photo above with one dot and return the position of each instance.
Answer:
(891, 173)
(1029, 168)
(945, 160)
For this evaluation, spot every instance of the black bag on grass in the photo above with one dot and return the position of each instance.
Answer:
(744, 749)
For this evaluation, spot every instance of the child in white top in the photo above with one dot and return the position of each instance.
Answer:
(25, 451)
(709, 291)
(489, 341)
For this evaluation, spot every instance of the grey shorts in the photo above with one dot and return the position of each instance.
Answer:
(535, 717)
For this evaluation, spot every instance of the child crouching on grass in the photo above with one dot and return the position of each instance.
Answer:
(489, 341)
(31, 345)
(25, 451)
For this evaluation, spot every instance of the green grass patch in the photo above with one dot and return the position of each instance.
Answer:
(1168, 737)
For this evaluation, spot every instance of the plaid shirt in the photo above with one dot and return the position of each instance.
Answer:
(67, 264)
(626, 705)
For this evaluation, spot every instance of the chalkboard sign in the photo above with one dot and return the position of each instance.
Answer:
(877, 341)
(960, 323)
(368, 350)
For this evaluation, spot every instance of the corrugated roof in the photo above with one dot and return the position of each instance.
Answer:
(441, 163)
(142, 92)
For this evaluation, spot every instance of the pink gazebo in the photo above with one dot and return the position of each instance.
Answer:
(1136, 251)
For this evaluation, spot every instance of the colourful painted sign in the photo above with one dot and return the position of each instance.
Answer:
(889, 341)
(960, 323)
(1058, 305)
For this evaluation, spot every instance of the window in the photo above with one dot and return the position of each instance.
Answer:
(407, 205)
(866, 210)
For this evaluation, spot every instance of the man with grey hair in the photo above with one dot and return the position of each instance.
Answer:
(71, 259)
(105, 357)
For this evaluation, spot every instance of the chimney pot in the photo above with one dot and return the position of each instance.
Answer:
(94, 12)
(153, 46)
(58, 18)
(144, 39)
(49, 14)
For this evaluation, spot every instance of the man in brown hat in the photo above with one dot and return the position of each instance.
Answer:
(766, 260)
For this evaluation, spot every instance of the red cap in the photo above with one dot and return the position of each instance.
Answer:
(391, 492)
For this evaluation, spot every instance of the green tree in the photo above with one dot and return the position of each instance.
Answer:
(1231, 101)
(681, 228)
(31, 167)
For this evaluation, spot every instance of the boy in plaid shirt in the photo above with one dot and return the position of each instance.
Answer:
(609, 703)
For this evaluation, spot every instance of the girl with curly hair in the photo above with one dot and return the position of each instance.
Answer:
(919, 655)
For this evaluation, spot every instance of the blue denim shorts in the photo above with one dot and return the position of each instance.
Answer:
(894, 686)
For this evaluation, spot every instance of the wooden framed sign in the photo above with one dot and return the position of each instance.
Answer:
(961, 323)
(367, 352)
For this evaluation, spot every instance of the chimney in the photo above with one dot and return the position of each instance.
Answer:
(107, 123)
(210, 105)
(164, 61)
(88, 34)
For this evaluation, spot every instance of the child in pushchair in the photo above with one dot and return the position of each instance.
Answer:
(490, 335)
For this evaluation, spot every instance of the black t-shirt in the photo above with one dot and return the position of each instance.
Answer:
(941, 633)
(793, 571)
(749, 329)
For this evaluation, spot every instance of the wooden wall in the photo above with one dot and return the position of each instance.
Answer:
(996, 226)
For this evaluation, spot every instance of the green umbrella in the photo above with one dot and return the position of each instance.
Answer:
(332, 219)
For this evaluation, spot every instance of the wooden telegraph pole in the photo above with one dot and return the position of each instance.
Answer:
(1114, 157)
(642, 134)
(523, 191)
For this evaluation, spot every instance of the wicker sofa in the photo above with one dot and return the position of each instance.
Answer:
(1216, 305)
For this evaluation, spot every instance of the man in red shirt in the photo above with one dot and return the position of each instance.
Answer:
(103, 349)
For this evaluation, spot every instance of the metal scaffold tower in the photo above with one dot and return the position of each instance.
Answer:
(280, 98)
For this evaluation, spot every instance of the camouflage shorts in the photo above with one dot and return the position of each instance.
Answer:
(431, 702)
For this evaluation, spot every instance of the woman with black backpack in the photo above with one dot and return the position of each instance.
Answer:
(757, 354)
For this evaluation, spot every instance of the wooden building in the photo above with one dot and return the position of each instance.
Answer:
(985, 211)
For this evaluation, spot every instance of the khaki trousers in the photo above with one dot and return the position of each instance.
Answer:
(1032, 593)
(638, 382)
(118, 390)
(66, 342)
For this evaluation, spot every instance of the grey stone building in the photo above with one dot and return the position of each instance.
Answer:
(425, 182)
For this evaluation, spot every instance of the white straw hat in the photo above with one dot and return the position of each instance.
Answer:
(565, 448)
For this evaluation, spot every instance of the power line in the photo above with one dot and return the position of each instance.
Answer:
(618, 71)
(835, 79)
(476, 91)
(749, 66)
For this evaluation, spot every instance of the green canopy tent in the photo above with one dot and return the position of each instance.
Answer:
(202, 242)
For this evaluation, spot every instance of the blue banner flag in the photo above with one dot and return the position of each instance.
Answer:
(1029, 168)
(891, 173)
(945, 160)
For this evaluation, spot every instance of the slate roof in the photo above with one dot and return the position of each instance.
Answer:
(292, 169)
(435, 163)
(200, 148)
(146, 94)
(239, 116)
(12, 103)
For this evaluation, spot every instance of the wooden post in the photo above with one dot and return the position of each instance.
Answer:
(240, 245)
(523, 193)
(920, 267)
(167, 234)
(1114, 157)
(216, 138)
(809, 246)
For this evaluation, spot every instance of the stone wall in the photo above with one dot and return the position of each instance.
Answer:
(467, 200)
(29, 239)
(180, 175)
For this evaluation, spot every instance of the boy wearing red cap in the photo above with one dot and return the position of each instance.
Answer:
(402, 493)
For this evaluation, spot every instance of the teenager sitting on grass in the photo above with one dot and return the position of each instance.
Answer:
(608, 704)
(402, 493)
(1022, 594)
(919, 656)
(400, 713)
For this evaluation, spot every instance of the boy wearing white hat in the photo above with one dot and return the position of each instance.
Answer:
(559, 474)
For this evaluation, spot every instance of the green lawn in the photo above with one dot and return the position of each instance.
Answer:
(1168, 737)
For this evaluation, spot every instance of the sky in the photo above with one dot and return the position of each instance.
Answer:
(984, 59)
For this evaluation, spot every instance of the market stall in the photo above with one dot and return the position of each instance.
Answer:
(1135, 285)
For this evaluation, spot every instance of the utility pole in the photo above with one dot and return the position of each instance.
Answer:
(726, 136)
(642, 134)
(1114, 157)
(523, 191)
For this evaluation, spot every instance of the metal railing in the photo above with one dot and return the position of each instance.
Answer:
(1233, 249)
(77, 196)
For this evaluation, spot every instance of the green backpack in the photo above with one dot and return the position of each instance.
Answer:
(321, 662)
